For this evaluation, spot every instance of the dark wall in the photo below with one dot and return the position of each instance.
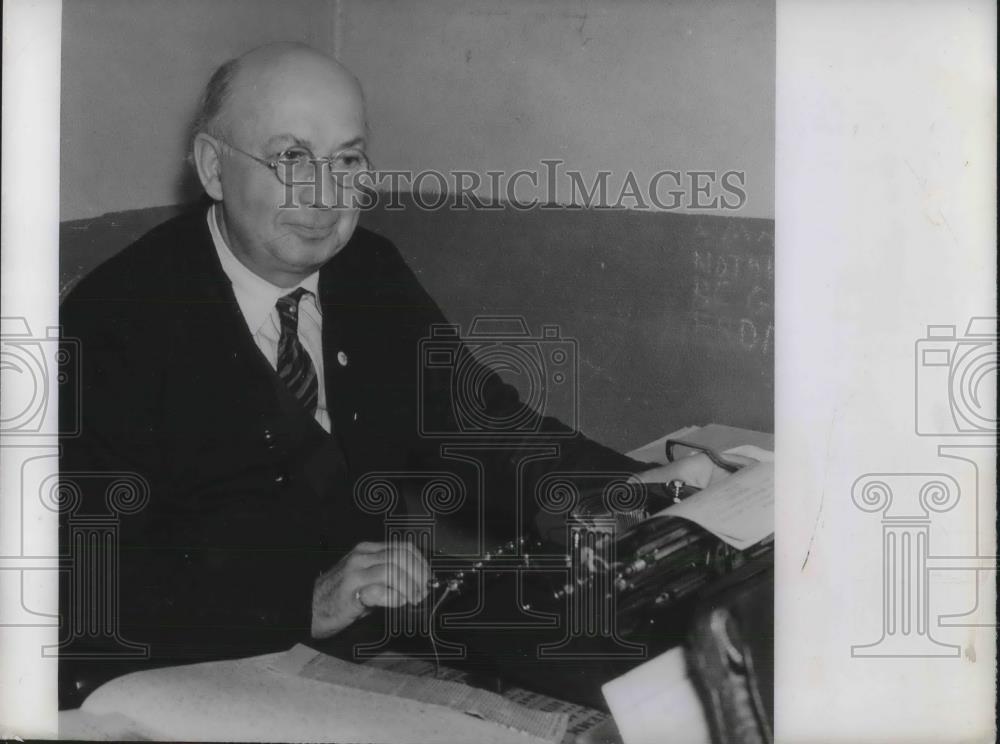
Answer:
(671, 315)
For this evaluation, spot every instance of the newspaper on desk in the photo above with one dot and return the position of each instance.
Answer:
(582, 720)
(307, 663)
(302, 695)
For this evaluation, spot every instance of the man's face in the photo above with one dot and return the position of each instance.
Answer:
(300, 103)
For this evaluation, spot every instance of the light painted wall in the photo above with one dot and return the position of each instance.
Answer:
(476, 85)
(614, 84)
(132, 71)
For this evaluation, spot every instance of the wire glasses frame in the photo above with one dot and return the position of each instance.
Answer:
(296, 166)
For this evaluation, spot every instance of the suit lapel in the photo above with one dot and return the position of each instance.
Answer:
(335, 296)
(216, 336)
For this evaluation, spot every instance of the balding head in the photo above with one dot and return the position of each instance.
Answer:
(257, 110)
(244, 77)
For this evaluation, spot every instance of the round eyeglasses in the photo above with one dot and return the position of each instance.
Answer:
(297, 166)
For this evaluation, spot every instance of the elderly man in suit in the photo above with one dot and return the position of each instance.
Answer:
(250, 360)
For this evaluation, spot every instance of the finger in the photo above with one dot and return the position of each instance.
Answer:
(660, 474)
(380, 595)
(394, 576)
(719, 474)
(405, 556)
(363, 548)
(359, 560)
(694, 470)
(411, 568)
(413, 560)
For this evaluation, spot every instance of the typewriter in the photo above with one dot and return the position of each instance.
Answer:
(617, 585)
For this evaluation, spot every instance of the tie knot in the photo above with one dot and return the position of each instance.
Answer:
(288, 307)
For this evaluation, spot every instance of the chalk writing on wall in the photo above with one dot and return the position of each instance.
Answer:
(732, 302)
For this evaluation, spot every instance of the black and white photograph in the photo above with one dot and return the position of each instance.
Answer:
(564, 371)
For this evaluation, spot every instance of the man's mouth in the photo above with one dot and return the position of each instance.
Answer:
(320, 230)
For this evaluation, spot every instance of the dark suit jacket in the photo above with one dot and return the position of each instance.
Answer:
(249, 499)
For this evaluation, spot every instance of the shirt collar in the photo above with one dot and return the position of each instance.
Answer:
(256, 296)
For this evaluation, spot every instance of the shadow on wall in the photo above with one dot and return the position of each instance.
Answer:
(671, 314)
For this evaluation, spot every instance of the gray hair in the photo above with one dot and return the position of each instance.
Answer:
(210, 113)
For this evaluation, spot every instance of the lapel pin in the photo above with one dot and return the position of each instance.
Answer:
(342, 358)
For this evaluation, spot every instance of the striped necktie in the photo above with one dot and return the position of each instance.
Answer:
(295, 368)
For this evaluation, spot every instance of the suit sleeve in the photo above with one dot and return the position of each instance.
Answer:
(518, 429)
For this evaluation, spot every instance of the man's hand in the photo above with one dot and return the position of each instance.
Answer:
(695, 470)
(371, 575)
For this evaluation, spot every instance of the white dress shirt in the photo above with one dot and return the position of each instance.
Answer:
(257, 299)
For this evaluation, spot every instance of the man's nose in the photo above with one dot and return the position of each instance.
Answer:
(325, 190)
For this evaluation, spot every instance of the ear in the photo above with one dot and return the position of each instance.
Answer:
(205, 152)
